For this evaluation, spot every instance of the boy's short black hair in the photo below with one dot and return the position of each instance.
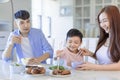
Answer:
(74, 32)
(22, 14)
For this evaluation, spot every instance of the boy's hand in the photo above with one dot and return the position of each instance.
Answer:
(58, 53)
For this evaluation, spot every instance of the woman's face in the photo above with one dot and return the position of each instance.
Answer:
(104, 22)
(73, 43)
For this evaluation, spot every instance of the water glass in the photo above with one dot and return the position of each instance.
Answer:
(76, 63)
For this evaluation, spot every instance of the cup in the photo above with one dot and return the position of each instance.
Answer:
(16, 69)
(76, 63)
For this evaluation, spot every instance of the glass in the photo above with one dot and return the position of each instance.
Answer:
(76, 63)
(6, 70)
(78, 2)
(97, 10)
(86, 11)
(62, 62)
(98, 1)
(78, 23)
(16, 68)
(118, 1)
(78, 12)
(86, 2)
(107, 1)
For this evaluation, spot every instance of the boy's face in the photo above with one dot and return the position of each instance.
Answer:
(23, 25)
(73, 43)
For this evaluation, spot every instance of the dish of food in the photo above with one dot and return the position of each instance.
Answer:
(61, 72)
(35, 70)
(25, 61)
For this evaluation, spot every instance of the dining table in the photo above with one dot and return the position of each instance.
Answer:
(5, 74)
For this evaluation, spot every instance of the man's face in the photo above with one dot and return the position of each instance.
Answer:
(23, 25)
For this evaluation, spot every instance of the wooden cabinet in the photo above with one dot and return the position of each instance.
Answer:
(85, 13)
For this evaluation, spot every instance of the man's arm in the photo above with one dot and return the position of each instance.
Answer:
(44, 57)
(10, 44)
(7, 52)
(39, 59)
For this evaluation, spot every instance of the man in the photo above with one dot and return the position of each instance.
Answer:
(29, 42)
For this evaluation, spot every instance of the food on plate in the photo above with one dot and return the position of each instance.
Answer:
(55, 67)
(60, 71)
(35, 70)
(25, 61)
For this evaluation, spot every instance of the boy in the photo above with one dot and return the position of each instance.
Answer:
(73, 42)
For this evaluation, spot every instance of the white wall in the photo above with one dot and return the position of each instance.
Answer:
(60, 24)
(5, 9)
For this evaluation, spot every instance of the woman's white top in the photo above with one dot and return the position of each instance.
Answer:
(103, 55)
(26, 48)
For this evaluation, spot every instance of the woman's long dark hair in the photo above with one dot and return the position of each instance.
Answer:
(114, 19)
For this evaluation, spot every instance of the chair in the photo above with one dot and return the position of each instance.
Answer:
(90, 43)
(51, 42)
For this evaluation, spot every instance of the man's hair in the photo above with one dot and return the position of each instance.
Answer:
(22, 14)
(74, 32)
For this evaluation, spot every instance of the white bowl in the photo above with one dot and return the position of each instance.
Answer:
(25, 61)
(17, 69)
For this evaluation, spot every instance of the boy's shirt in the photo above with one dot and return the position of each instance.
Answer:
(70, 57)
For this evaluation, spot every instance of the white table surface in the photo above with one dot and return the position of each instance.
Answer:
(76, 75)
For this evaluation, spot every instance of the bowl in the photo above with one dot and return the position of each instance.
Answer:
(25, 61)
(76, 63)
(17, 68)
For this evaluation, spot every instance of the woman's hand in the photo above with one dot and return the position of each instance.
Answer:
(87, 66)
(85, 52)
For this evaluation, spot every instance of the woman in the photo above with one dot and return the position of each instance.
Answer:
(108, 48)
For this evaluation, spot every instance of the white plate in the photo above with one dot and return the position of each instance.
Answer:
(50, 73)
(34, 75)
(61, 76)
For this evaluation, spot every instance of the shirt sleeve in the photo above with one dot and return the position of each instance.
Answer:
(47, 48)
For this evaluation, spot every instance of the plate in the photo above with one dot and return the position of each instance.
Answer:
(61, 76)
(34, 75)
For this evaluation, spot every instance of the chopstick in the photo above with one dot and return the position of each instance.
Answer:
(58, 61)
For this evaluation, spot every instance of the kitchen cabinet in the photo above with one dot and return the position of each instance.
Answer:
(85, 14)
(5, 30)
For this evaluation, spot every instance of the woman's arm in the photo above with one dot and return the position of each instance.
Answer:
(86, 52)
(107, 67)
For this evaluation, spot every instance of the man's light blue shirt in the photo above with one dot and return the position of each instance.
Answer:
(38, 43)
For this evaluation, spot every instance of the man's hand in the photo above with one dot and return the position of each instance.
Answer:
(33, 61)
(16, 39)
